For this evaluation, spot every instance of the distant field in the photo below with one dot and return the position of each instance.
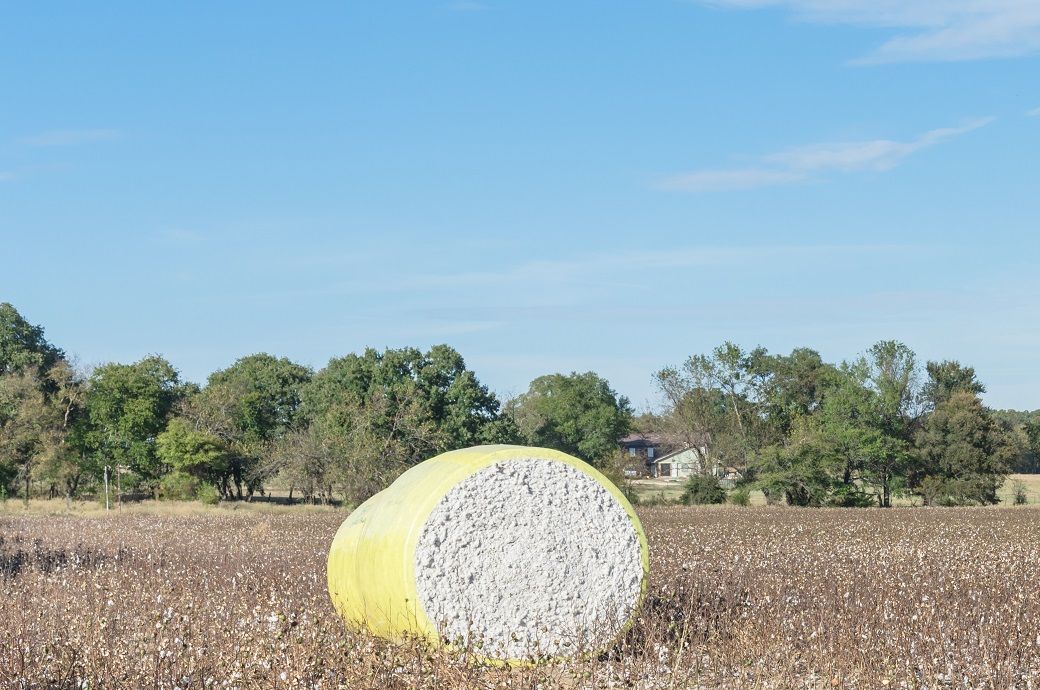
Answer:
(666, 490)
(767, 598)
(648, 490)
(1031, 482)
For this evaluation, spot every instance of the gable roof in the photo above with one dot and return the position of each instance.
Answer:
(673, 454)
(649, 439)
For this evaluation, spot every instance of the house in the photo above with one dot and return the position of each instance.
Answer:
(659, 456)
(641, 450)
(643, 446)
(679, 464)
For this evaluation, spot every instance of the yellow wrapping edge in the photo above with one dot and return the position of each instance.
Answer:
(376, 590)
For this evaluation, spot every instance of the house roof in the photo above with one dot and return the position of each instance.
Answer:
(650, 439)
(668, 456)
(667, 442)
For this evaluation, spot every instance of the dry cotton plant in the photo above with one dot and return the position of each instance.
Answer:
(764, 598)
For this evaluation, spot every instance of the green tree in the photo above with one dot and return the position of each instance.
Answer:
(53, 411)
(793, 457)
(259, 395)
(247, 407)
(68, 462)
(38, 418)
(1031, 431)
(128, 406)
(964, 452)
(796, 471)
(25, 424)
(946, 378)
(193, 451)
(577, 413)
(363, 419)
(443, 392)
(823, 459)
(22, 345)
(790, 386)
(837, 435)
(1023, 429)
(890, 372)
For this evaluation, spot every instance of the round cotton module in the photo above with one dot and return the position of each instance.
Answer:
(513, 553)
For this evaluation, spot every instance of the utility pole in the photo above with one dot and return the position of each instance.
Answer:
(106, 488)
(119, 488)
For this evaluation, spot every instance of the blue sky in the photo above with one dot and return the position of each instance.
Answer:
(545, 186)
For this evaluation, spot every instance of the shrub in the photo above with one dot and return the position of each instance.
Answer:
(178, 486)
(740, 497)
(208, 494)
(848, 496)
(703, 490)
(1020, 494)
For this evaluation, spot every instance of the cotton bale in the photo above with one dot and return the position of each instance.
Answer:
(514, 553)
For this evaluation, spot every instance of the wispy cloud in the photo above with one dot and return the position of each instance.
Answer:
(6, 176)
(879, 154)
(70, 137)
(813, 161)
(1035, 112)
(941, 30)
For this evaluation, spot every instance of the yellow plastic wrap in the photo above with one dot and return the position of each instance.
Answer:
(371, 566)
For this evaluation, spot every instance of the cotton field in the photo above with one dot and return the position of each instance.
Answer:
(739, 598)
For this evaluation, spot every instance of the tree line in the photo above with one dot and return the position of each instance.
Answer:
(859, 433)
(341, 433)
(804, 431)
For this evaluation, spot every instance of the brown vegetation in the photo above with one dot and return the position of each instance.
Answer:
(772, 597)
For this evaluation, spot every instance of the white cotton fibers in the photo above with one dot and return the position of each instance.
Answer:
(529, 558)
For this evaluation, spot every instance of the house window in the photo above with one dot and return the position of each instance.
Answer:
(664, 470)
(632, 452)
(649, 452)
